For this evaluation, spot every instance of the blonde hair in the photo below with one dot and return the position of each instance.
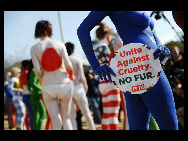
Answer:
(15, 70)
(102, 30)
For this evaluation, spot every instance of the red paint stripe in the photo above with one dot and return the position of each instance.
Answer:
(114, 127)
(111, 55)
(103, 82)
(111, 104)
(112, 92)
(108, 115)
(105, 127)
(110, 127)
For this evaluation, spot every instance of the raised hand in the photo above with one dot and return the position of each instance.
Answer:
(162, 52)
(104, 70)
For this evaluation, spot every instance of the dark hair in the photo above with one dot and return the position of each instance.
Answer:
(43, 28)
(25, 63)
(29, 68)
(102, 30)
(87, 75)
(70, 47)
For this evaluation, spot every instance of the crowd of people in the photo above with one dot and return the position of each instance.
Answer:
(53, 85)
(174, 70)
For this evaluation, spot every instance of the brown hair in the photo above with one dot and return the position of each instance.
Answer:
(43, 28)
(102, 30)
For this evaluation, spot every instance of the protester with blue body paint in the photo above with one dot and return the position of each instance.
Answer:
(135, 27)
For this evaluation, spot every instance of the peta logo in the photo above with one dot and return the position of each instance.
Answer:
(138, 88)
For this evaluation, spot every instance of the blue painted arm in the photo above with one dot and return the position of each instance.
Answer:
(83, 32)
(162, 51)
(84, 35)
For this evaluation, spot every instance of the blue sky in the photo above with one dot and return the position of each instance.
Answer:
(19, 27)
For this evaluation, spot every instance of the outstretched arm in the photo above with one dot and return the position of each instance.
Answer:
(83, 32)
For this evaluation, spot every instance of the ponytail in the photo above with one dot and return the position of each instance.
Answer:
(102, 30)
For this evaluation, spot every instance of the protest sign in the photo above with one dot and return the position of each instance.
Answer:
(135, 67)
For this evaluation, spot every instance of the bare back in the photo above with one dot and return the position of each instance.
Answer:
(78, 71)
(57, 76)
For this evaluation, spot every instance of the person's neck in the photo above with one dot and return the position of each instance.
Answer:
(104, 41)
(72, 54)
(43, 37)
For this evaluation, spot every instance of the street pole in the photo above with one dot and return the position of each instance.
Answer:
(61, 27)
(173, 28)
(160, 14)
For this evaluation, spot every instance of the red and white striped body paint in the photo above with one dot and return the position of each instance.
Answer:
(111, 103)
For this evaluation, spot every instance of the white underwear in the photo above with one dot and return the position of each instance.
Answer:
(79, 92)
(58, 90)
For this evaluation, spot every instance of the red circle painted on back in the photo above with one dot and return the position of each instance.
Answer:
(51, 60)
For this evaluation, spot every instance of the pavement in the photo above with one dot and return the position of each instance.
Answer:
(84, 126)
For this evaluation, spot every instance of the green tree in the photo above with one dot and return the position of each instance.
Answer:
(172, 44)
